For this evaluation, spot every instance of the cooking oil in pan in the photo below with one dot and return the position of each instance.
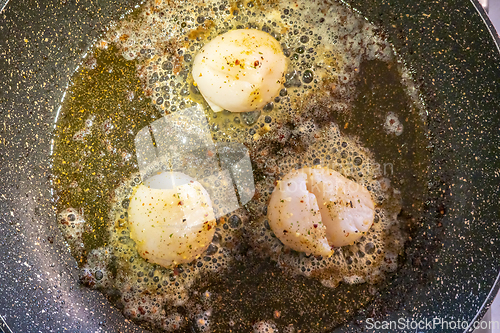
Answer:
(347, 104)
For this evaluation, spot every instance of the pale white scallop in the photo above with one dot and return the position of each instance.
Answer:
(172, 224)
(239, 71)
(346, 207)
(313, 210)
(294, 215)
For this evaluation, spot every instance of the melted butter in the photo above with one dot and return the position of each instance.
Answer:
(96, 173)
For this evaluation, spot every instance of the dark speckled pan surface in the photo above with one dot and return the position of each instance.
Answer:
(451, 269)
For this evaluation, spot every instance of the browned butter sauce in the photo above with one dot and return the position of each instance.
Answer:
(348, 104)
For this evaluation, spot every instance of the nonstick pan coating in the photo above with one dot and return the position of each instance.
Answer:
(452, 267)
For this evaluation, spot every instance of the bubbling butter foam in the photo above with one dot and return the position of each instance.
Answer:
(324, 45)
(368, 258)
(145, 290)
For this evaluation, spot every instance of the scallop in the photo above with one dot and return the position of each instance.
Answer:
(313, 210)
(294, 215)
(239, 71)
(172, 224)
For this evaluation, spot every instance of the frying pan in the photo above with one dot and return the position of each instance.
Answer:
(451, 269)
